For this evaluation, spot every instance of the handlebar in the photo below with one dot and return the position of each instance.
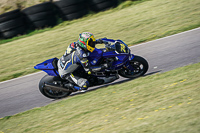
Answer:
(108, 46)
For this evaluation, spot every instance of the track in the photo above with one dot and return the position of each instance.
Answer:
(164, 54)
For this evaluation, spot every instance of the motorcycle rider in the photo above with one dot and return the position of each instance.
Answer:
(76, 55)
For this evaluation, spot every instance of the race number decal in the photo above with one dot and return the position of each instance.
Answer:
(123, 48)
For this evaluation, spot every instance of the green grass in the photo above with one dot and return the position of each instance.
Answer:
(160, 103)
(134, 24)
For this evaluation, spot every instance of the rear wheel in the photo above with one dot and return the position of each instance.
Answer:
(51, 93)
(140, 66)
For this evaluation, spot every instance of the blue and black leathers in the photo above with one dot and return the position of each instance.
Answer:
(74, 57)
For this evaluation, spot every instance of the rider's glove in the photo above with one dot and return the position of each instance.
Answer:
(99, 41)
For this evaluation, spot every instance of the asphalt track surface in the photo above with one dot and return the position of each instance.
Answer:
(164, 54)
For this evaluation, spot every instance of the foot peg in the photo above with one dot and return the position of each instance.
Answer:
(72, 87)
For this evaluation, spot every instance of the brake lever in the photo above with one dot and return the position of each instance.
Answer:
(108, 46)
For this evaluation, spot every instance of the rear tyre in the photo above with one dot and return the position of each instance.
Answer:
(140, 66)
(48, 92)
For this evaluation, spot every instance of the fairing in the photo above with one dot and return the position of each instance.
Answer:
(96, 57)
(121, 58)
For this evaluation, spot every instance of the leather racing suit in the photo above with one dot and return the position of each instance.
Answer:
(73, 58)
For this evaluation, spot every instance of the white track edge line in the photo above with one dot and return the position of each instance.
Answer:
(166, 37)
(20, 77)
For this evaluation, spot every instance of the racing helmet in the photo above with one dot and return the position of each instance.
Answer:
(86, 41)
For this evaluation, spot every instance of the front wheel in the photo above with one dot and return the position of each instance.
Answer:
(140, 66)
(49, 92)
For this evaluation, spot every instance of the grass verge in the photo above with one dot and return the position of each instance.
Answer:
(166, 102)
(134, 24)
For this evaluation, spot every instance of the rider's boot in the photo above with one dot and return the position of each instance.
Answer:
(76, 83)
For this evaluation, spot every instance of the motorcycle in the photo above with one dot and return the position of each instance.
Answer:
(116, 53)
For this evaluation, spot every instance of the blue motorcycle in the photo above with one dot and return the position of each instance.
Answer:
(116, 52)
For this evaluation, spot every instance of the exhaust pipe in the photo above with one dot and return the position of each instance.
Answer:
(56, 88)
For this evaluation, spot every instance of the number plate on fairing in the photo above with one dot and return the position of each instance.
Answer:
(121, 48)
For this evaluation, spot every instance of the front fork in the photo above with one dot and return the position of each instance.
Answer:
(128, 65)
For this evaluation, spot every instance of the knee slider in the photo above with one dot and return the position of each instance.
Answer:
(85, 85)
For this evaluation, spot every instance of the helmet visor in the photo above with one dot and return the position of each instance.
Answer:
(91, 44)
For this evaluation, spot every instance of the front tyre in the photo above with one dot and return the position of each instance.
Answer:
(140, 66)
(51, 93)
